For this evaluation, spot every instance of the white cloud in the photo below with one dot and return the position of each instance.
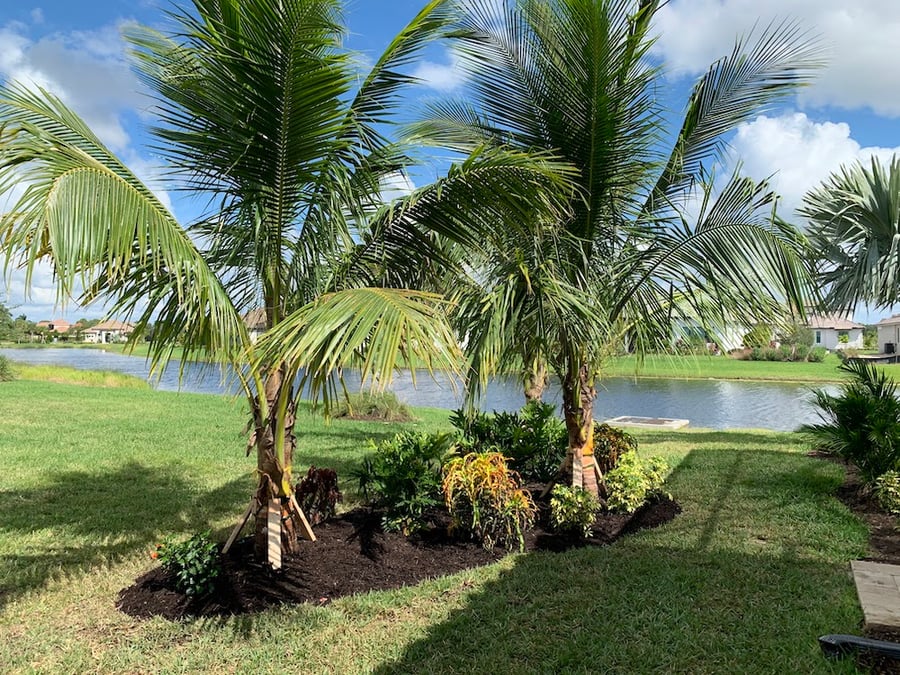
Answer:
(797, 152)
(37, 15)
(860, 38)
(87, 70)
(441, 76)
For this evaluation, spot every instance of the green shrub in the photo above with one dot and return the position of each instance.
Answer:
(786, 353)
(572, 510)
(801, 352)
(862, 423)
(772, 354)
(634, 481)
(756, 354)
(886, 491)
(403, 475)
(610, 443)
(486, 499)
(6, 370)
(373, 405)
(318, 494)
(817, 354)
(195, 563)
(534, 440)
(759, 336)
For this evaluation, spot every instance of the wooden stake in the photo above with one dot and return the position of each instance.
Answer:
(305, 528)
(240, 526)
(273, 524)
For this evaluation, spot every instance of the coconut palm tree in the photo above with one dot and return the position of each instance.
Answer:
(648, 241)
(263, 115)
(854, 230)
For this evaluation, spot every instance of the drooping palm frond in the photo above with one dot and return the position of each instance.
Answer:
(102, 230)
(376, 330)
(756, 75)
(854, 231)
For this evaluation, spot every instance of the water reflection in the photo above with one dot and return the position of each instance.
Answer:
(706, 403)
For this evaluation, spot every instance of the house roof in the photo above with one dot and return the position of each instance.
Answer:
(256, 319)
(833, 321)
(111, 325)
(890, 321)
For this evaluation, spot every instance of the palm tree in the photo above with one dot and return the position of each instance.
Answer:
(261, 116)
(646, 243)
(854, 230)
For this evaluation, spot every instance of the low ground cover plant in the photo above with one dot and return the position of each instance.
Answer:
(487, 501)
(886, 491)
(572, 510)
(194, 563)
(633, 481)
(403, 475)
(610, 443)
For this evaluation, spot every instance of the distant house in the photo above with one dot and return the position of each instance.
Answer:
(889, 335)
(835, 331)
(56, 326)
(108, 332)
(256, 323)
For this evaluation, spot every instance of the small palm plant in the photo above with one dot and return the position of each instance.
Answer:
(862, 423)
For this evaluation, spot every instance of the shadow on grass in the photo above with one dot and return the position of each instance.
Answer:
(80, 519)
(744, 580)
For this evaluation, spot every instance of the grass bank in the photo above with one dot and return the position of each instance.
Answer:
(727, 368)
(743, 581)
(74, 376)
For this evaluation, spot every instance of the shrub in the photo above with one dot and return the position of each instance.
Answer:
(195, 563)
(801, 352)
(486, 499)
(817, 354)
(572, 510)
(318, 494)
(6, 370)
(772, 354)
(862, 423)
(534, 440)
(610, 443)
(371, 405)
(404, 476)
(786, 353)
(758, 336)
(634, 481)
(886, 491)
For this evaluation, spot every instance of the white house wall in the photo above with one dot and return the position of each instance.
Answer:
(886, 334)
(829, 338)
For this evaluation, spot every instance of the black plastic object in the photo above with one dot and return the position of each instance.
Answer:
(837, 646)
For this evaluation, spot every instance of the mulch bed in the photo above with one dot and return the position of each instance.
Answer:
(353, 555)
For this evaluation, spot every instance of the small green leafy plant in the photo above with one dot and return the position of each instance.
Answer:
(886, 490)
(318, 494)
(634, 481)
(572, 510)
(403, 475)
(195, 563)
(486, 499)
(533, 440)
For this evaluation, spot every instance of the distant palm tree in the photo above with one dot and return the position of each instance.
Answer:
(262, 114)
(854, 230)
(646, 243)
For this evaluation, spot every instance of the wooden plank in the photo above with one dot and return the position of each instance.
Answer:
(305, 528)
(273, 525)
(240, 526)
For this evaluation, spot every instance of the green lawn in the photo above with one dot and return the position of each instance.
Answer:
(743, 581)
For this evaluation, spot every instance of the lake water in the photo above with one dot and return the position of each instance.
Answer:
(716, 404)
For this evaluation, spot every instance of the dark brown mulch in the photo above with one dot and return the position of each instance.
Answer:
(353, 555)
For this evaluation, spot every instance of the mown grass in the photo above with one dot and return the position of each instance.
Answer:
(744, 580)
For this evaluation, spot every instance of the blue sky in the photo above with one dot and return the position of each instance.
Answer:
(851, 112)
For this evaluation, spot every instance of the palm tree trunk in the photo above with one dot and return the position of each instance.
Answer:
(274, 475)
(578, 409)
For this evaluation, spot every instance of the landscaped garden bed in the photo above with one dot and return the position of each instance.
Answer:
(353, 554)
